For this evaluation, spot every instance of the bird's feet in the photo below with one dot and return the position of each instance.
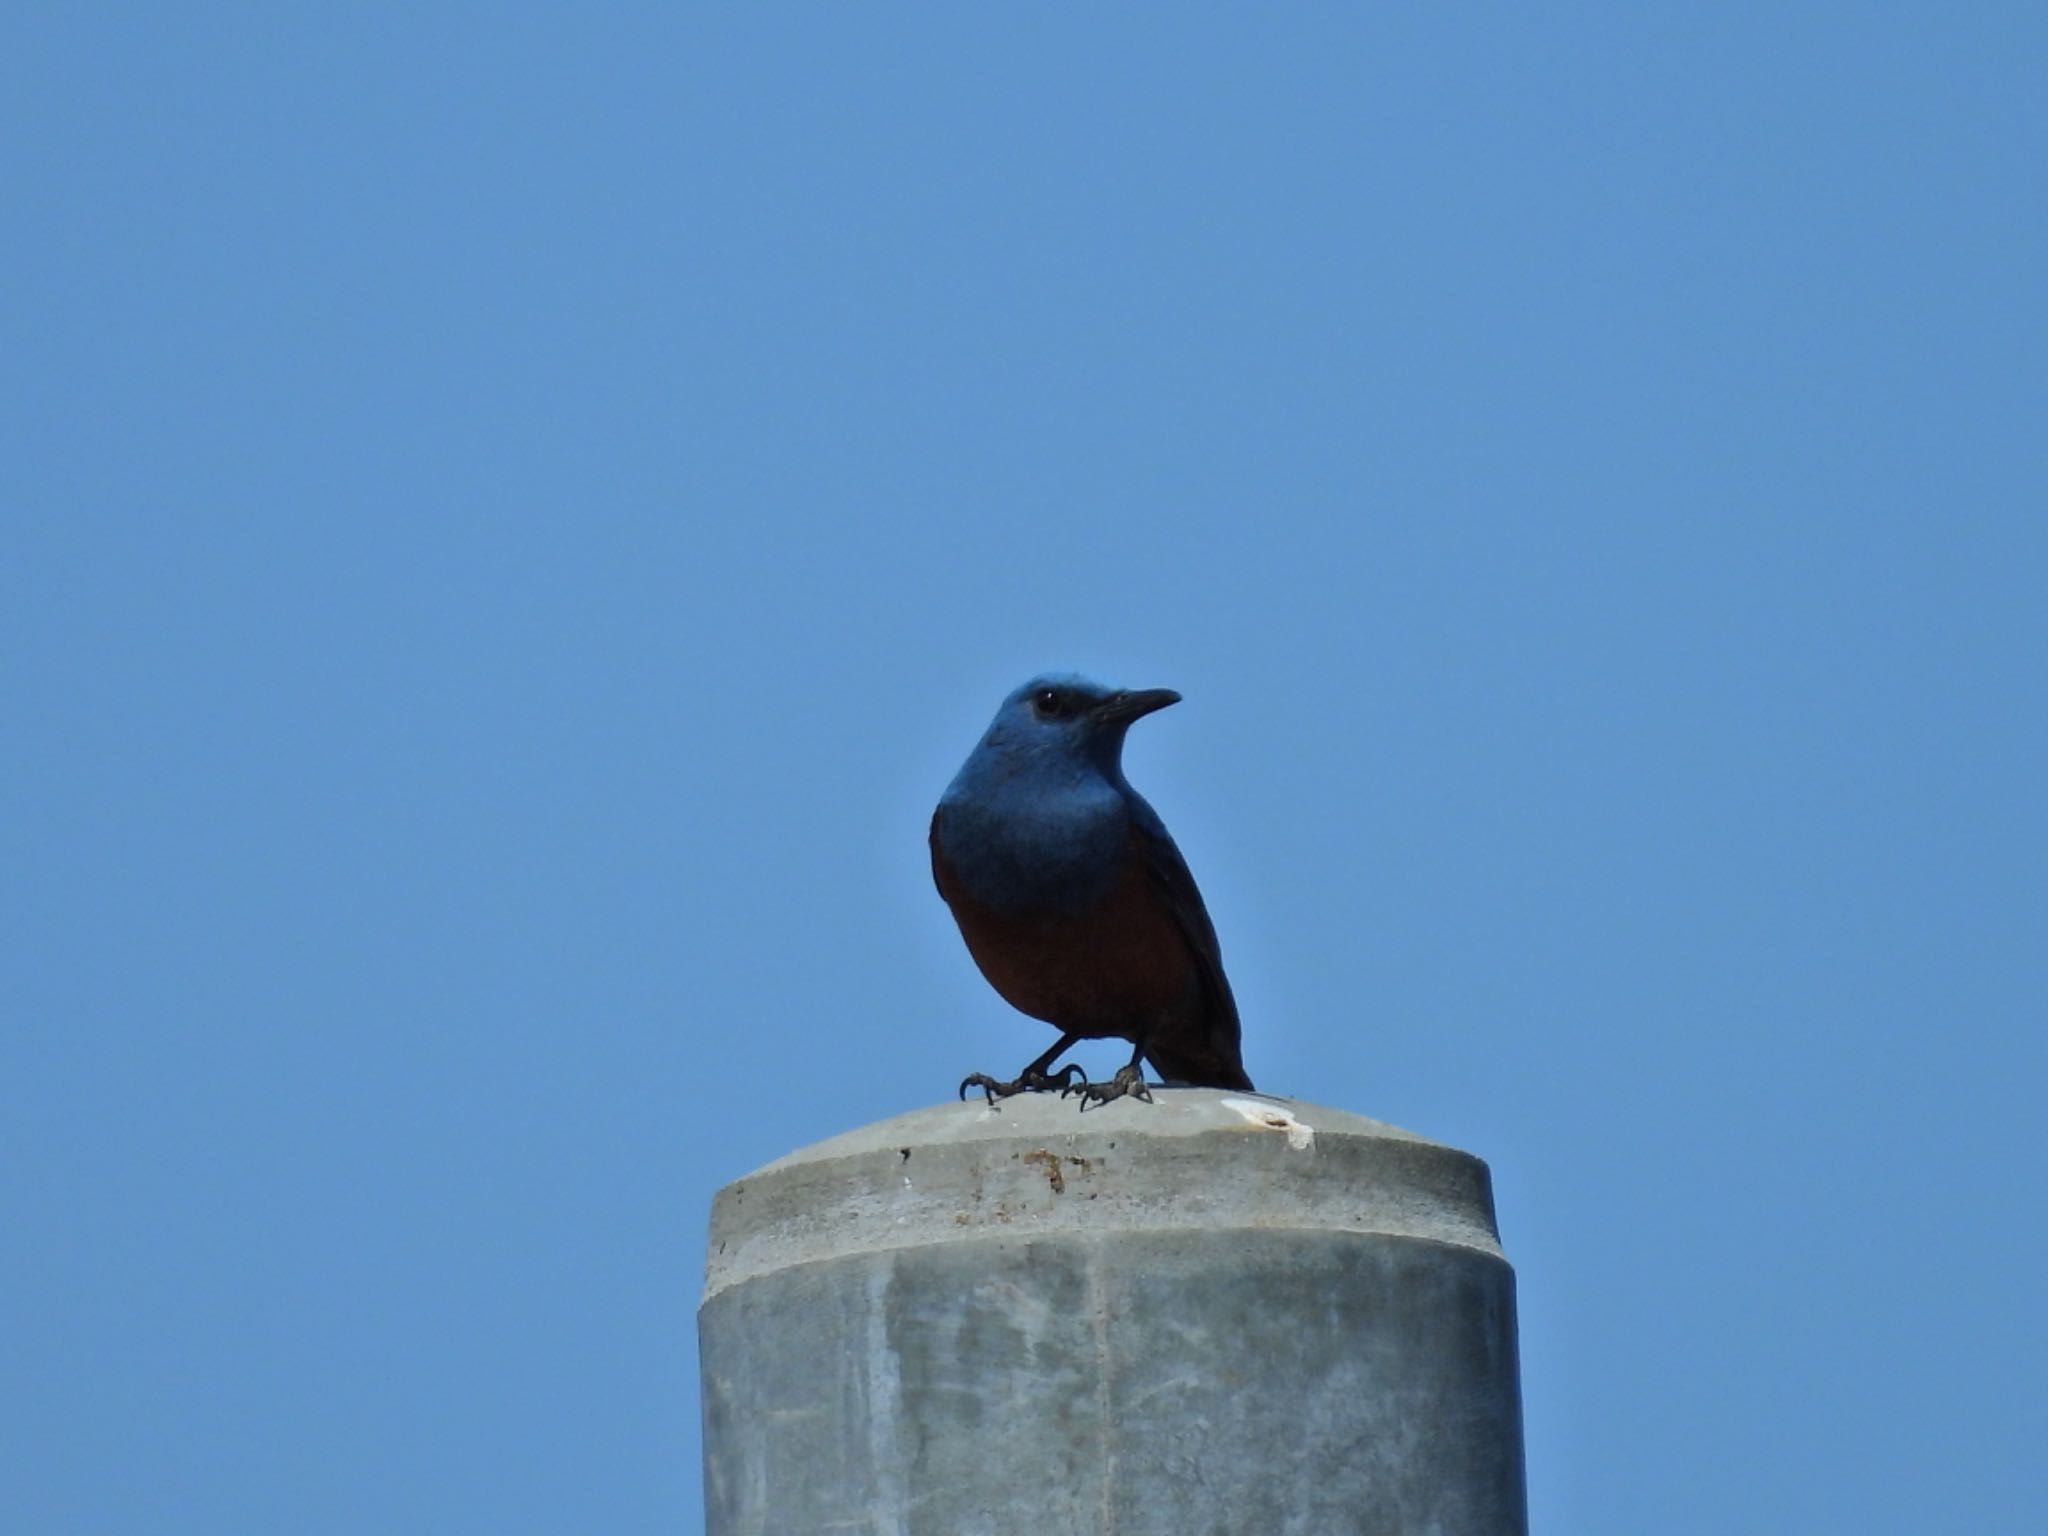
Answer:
(1030, 1080)
(1129, 1083)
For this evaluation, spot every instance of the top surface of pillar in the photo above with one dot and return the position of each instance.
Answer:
(1035, 1166)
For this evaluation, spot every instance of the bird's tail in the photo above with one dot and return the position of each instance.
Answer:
(1179, 1067)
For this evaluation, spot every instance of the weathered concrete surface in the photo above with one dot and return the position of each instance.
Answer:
(1218, 1313)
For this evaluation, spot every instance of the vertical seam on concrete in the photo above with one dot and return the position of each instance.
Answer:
(1098, 1307)
(883, 1388)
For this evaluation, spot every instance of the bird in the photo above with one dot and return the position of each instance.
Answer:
(1074, 901)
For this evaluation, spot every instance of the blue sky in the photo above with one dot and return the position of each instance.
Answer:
(512, 516)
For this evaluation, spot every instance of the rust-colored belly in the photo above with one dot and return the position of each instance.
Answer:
(1110, 971)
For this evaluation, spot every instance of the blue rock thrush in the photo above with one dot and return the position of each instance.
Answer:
(1074, 901)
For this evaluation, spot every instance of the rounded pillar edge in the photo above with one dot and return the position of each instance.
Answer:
(1035, 1167)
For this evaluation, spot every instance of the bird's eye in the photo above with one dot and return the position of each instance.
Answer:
(1047, 702)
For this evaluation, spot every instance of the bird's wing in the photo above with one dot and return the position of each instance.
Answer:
(1169, 874)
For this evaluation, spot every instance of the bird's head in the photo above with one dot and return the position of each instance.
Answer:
(1063, 720)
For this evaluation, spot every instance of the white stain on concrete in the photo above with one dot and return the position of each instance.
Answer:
(1275, 1117)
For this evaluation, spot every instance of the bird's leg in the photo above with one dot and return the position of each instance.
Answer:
(1033, 1079)
(1129, 1082)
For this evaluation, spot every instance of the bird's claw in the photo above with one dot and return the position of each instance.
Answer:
(1129, 1083)
(1026, 1081)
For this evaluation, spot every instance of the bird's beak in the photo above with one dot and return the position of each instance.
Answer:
(1123, 708)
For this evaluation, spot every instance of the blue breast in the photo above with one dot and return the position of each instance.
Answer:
(1023, 845)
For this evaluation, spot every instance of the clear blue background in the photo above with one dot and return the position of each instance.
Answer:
(511, 517)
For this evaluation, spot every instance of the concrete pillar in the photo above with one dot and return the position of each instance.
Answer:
(1217, 1313)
